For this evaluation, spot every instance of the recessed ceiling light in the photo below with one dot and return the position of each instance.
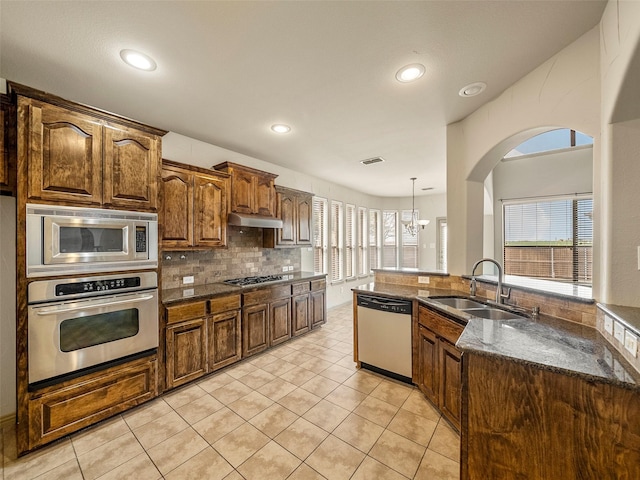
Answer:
(281, 128)
(409, 73)
(138, 60)
(472, 89)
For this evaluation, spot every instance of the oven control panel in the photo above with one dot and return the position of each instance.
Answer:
(96, 286)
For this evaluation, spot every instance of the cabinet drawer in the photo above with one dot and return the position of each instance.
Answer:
(318, 284)
(186, 311)
(58, 412)
(266, 295)
(224, 304)
(443, 327)
(300, 288)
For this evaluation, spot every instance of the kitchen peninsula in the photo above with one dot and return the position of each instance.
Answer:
(540, 397)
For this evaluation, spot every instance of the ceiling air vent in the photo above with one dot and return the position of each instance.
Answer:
(373, 160)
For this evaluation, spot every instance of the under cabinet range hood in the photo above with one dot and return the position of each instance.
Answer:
(257, 221)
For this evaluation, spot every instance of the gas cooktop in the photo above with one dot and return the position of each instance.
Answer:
(241, 282)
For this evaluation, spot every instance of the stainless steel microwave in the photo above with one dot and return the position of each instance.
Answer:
(70, 240)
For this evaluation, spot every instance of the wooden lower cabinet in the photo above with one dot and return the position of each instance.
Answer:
(300, 319)
(186, 352)
(255, 329)
(70, 406)
(428, 368)
(318, 300)
(439, 366)
(225, 340)
(279, 321)
(450, 394)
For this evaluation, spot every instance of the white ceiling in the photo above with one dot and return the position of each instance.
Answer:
(228, 70)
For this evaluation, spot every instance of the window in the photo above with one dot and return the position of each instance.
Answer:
(441, 243)
(336, 241)
(363, 231)
(375, 252)
(550, 239)
(320, 235)
(389, 239)
(409, 257)
(549, 141)
(350, 241)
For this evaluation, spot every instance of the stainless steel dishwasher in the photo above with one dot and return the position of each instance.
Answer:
(384, 335)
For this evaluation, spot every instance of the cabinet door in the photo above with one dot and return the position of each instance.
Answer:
(7, 137)
(318, 308)
(428, 358)
(225, 342)
(450, 395)
(64, 154)
(255, 329)
(176, 210)
(300, 322)
(242, 192)
(280, 321)
(304, 211)
(210, 211)
(265, 196)
(286, 212)
(131, 166)
(186, 352)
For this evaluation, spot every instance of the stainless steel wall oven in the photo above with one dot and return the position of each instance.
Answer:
(79, 323)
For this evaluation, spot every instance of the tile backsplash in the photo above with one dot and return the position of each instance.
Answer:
(243, 257)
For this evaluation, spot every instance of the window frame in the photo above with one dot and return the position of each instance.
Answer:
(350, 225)
(394, 236)
(375, 234)
(362, 268)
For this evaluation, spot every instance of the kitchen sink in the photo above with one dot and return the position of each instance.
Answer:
(492, 313)
(460, 303)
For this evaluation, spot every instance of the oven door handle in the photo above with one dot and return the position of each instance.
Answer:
(85, 306)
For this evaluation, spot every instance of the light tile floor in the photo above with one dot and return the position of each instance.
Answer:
(299, 411)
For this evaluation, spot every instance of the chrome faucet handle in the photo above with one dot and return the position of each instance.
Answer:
(472, 287)
(506, 295)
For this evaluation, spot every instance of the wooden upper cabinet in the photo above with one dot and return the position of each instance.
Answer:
(194, 205)
(74, 154)
(294, 208)
(176, 208)
(210, 210)
(7, 145)
(131, 160)
(64, 154)
(252, 191)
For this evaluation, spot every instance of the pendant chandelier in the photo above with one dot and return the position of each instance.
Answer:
(411, 226)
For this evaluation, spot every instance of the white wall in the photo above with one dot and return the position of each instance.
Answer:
(7, 306)
(562, 92)
(554, 173)
(619, 169)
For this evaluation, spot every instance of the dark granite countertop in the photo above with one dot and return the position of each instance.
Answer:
(211, 290)
(412, 271)
(547, 342)
(401, 291)
(552, 344)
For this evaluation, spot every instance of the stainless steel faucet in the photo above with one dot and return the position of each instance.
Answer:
(499, 295)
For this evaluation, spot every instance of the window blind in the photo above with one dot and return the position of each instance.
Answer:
(389, 239)
(350, 241)
(336, 241)
(409, 242)
(319, 234)
(375, 252)
(363, 231)
(550, 239)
